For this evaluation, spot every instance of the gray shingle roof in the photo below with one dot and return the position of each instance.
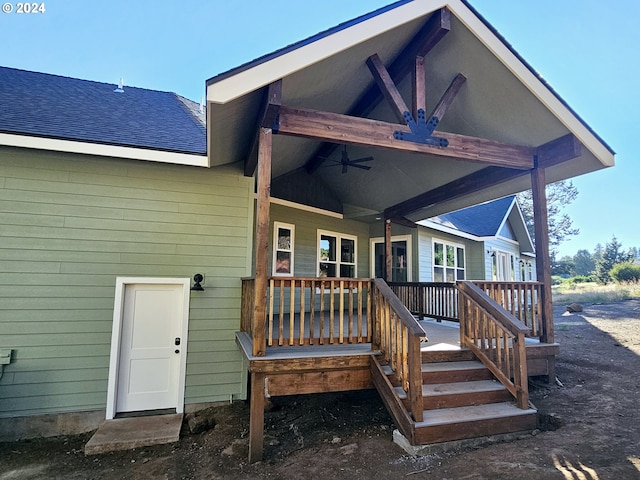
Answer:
(52, 106)
(482, 220)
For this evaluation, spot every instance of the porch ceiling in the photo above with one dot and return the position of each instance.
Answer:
(502, 100)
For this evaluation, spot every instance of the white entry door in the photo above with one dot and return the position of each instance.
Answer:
(151, 348)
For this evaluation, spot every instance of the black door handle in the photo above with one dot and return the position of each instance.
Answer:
(177, 340)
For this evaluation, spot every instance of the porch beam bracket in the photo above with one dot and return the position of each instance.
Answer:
(267, 118)
(421, 129)
(438, 25)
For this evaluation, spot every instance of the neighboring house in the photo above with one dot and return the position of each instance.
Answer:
(484, 242)
(112, 201)
(489, 241)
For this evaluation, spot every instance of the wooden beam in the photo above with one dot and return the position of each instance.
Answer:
(438, 25)
(387, 87)
(419, 87)
(543, 258)
(334, 127)
(474, 182)
(559, 150)
(448, 97)
(256, 418)
(262, 242)
(266, 119)
(556, 151)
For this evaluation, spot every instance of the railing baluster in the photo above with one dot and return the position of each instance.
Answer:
(271, 295)
(303, 293)
(281, 315)
(322, 312)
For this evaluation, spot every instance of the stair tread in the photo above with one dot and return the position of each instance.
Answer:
(470, 387)
(462, 387)
(457, 415)
(448, 366)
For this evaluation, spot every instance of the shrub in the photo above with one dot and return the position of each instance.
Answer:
(580, 279)
(625, 272)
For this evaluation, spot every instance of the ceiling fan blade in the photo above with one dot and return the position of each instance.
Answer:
(362, 167)
(360, 160)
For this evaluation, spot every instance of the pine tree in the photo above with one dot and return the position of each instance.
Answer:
(611, 255)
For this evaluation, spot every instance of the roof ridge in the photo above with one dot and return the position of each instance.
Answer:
(67, 77)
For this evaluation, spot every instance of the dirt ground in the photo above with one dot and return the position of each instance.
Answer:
(590, 429)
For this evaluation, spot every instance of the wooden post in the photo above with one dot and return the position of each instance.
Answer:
(256, 417)
(520, 375)
(419, 88)
(262, 242)
(543, 258)
(387, 250)
(415, 378)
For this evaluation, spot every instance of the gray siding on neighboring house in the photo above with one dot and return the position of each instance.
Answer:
(476, 254)
(425, 256)
(69, 225)
(307, 225)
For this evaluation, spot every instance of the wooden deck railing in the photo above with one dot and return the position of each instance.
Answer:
(318, 311)
(434, 300)
(522, 299)
(496, 337)
(397, 335)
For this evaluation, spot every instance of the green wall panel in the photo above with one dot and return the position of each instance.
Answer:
(71, 224)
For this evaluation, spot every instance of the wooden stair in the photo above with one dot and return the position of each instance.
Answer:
(461, 400)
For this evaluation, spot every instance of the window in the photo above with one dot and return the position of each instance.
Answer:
(448, 262)
(503, 266)
(400, 258)
(283, 237)
(336, 255)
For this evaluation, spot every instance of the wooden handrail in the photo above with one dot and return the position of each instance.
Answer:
(522, 299)
(397, 334)
(496, 337)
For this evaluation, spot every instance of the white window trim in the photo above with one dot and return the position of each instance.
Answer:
(451, 244)
(339, 237)
(276, 227)
(394, 238)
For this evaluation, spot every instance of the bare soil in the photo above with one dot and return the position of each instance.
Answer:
(590, 428)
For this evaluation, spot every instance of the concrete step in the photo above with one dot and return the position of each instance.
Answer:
(134, 432)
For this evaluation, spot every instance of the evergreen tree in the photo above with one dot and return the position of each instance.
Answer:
(559, 195)
(583, 263)
(611, 255)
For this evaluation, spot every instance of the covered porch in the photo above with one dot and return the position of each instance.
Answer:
(325, 335)
(479, 124)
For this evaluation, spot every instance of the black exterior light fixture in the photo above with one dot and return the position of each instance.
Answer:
(197, 278)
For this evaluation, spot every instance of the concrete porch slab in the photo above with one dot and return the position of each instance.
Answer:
(134, 432)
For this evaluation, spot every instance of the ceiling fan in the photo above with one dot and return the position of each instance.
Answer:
(346, 162)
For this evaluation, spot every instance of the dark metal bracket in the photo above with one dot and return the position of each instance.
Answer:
(421, 130)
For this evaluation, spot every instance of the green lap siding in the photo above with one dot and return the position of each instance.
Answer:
(71, 224)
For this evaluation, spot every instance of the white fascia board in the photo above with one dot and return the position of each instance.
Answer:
(71, 146)
(531, 81)
(305, 208)
(265, 73)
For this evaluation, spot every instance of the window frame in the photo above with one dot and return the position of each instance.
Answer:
(276, 249)
(338, 262)
(444, 266)
(395, 238)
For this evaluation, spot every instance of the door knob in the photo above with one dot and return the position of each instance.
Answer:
(177, 351)
(177, 341)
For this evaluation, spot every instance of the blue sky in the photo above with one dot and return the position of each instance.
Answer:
(586, 50)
